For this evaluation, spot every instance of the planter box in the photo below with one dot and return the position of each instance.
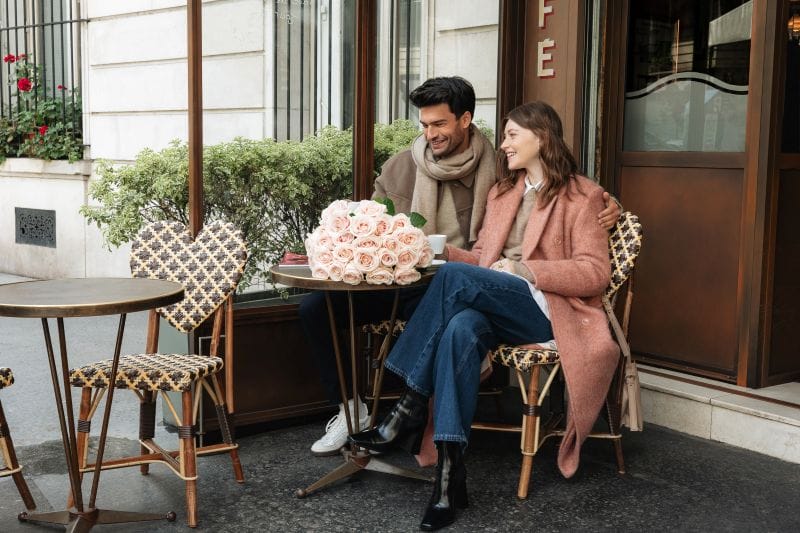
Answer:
(273, 375)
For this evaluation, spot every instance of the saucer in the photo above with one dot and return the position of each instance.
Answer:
(438, 262)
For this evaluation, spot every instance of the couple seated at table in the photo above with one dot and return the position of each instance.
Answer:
(535, 275)
(446, 175)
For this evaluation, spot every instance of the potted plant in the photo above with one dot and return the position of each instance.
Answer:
(42, 122)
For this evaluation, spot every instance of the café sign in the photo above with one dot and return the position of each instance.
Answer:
(544, 57)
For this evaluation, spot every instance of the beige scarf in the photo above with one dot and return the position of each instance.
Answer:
(477, 160)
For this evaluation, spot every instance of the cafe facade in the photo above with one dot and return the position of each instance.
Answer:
(686, 111)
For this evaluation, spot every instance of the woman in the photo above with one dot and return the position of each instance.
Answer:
(542, 265)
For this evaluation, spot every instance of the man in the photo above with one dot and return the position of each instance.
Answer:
(445, 176)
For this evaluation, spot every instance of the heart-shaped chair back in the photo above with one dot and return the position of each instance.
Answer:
(209, 267)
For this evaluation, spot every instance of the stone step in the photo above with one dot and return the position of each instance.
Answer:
(762, 420)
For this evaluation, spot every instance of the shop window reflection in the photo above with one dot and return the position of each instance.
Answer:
(687, 75)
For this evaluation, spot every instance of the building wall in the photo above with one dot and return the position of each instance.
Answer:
(135, 80)
(134, 84)
(463, 42)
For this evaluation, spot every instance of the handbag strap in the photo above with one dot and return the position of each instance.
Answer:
(618, 333)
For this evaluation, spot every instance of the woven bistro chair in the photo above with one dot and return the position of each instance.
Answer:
(625, 243)
(10, 466)
(209, 267)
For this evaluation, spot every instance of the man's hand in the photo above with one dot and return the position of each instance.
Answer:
(609, 216)
(512, 267)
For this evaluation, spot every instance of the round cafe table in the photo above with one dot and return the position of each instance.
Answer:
(355, 459)
(63, 298)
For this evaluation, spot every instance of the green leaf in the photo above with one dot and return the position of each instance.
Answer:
(388, 203)
(417, 220)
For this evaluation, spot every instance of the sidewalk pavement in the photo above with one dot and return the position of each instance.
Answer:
(674, 482)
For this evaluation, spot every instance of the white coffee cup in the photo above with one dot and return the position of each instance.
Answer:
(437, 243)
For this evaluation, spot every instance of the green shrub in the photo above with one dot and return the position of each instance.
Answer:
(273, 191)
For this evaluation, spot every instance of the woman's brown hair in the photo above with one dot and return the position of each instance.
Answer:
(557, 160)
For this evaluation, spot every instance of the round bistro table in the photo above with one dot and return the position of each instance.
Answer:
(63, 298)
(355, 458)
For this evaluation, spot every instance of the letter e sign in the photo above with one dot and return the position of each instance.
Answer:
(545, 57)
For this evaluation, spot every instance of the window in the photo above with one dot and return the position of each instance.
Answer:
(421, 39)
(687, 75)
(40, 79)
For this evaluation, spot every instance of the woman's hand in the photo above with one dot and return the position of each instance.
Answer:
(609, 216)
(512, 267)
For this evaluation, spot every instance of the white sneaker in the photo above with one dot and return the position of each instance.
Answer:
(336, 430)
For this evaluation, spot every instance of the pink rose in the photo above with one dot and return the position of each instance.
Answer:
(343, 253)
(311, 243)
(388, 258)
(400, 221)
(319, 272)
(351, 275)
(370, 208)
(324, 241)
(404, 276)
(390, 243)
(362, 225)
(407, 258)
(344, 238)
(366, 260)
(336, 271)
(410, 236)
(425, 257)
(336, 208)
(383, 224)
(323, 257)
(380, 276)
(337, 223)
(370, 242)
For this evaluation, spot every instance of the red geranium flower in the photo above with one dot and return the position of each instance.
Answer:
(10, 58)
(60, 87)
(24, 84)
(21, 56)
(42, 130)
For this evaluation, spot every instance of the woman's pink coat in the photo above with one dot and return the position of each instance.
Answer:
(567, 251)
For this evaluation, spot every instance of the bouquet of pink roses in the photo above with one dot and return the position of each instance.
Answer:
(366, 241)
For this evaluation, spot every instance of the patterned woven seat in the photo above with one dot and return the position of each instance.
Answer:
(6, 377)
(148, 372)
(382, 328)
(209, 266)
(625, 243)
(523, 359)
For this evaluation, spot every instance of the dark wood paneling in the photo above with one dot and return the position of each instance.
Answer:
(511, 60)
(783, 361)
(685, 308)
(364, 108)
(274, 375)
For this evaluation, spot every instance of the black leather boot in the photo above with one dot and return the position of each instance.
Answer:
(402, 427)
(449, 489)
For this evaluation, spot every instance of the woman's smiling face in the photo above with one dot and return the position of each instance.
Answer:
(520, 145)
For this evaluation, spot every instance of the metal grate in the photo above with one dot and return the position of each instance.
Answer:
(45, 35)
(35, 226)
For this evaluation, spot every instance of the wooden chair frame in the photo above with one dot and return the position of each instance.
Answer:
(182, 461)
(12, 467)
(533, 433)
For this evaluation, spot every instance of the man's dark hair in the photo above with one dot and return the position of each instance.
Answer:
(454, 91)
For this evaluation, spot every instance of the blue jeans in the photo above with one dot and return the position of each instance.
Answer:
(466, 311)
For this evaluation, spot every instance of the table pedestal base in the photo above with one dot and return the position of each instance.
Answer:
(354, 462)
(77, 522)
